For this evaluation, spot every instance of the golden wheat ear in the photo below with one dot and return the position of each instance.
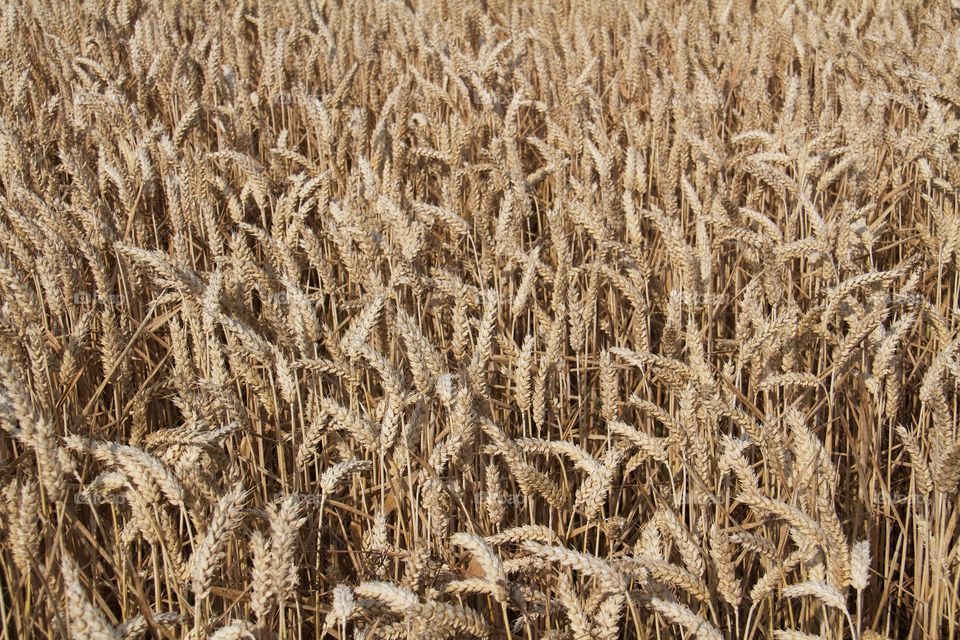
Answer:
(436, 320)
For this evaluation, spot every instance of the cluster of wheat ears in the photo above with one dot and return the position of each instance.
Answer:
(425, 319)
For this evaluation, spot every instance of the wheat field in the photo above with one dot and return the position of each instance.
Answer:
(509, 320)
